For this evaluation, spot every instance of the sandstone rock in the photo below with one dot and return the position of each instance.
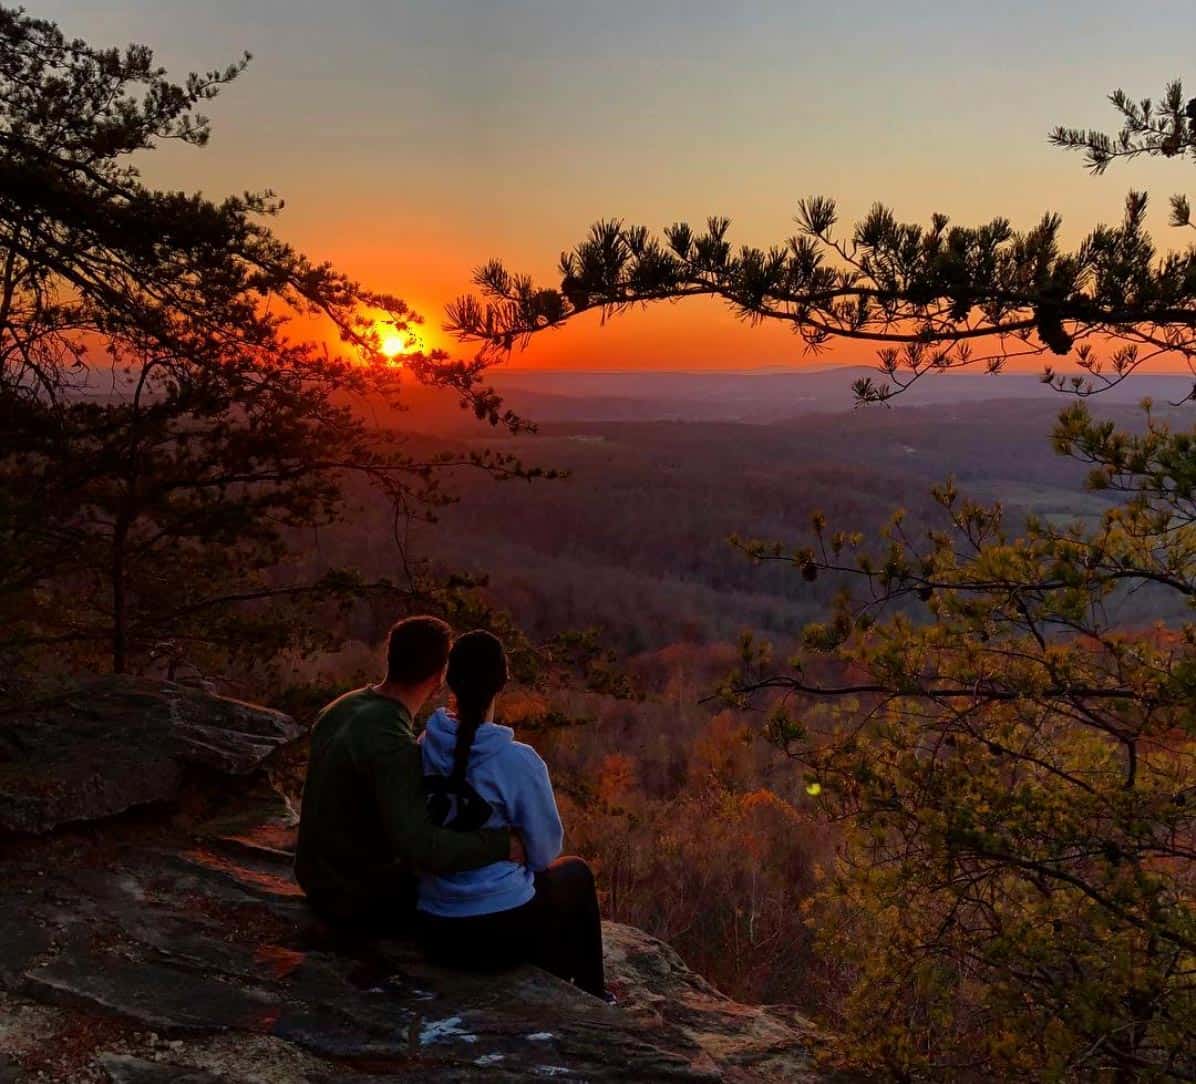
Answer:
(662, 992)
(120, 743)
(188, 943)
(186, 954)
(125, 1069)
(168, 999)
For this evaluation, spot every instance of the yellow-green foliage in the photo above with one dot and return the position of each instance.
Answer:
(1016, 778)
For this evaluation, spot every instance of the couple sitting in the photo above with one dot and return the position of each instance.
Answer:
(456, 835)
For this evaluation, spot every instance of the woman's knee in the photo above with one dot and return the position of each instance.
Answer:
(573, 877)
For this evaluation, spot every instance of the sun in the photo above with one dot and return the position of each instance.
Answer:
(393, 345)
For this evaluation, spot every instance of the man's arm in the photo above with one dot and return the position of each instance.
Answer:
(394, 762)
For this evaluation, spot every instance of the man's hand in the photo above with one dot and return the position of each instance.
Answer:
(518, 855)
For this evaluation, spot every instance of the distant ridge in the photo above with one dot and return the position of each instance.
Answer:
(764, 396)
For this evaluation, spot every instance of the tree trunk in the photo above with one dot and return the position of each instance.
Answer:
(120, 609)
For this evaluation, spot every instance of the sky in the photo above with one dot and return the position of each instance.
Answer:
(415, 139)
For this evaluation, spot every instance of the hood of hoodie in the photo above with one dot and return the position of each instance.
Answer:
(440, 742)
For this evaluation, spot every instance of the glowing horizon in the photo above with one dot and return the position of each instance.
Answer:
(419, 140)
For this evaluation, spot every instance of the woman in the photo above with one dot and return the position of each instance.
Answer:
(478, 776)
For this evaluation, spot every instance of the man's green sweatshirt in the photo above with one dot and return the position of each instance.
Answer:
(364, 816)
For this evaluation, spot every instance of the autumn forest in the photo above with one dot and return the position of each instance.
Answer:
(869, 688)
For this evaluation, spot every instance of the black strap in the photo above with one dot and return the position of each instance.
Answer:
(456, 805)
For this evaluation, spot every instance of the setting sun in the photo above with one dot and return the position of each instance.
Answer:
(393, 345)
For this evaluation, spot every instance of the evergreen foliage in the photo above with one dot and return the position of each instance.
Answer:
(934, 297)
(179, 388)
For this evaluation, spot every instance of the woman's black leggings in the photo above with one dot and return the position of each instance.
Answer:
(560, 930)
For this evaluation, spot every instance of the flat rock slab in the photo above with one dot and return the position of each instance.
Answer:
(183, 945)
(167, 999)
(141, 952)
(124, 742)
(126, 1069)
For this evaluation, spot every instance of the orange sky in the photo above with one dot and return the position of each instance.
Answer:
(414, 140)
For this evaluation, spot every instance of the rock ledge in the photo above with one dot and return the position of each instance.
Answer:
(177, 950)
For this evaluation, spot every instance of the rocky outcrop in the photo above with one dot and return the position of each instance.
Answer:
(121, 743)
(735, 1041)
(177, 950)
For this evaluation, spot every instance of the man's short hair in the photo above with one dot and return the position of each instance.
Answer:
(418, 649)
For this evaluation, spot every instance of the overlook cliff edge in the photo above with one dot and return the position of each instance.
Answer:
(150, 931)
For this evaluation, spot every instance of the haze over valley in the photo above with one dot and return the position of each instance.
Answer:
(665, 466)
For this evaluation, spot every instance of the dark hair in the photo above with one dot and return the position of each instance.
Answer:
(417, 650)
(477, 672)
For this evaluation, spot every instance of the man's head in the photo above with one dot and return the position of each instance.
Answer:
(417, 655)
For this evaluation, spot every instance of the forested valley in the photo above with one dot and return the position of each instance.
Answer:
(626, 572)
(871, 690)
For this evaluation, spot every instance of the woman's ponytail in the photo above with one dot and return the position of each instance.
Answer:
(468, 721)
(477, 672)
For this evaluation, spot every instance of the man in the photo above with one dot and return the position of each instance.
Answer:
(364, 828)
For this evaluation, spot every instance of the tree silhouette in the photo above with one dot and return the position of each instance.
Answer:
(935, 296)
(177, 385)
